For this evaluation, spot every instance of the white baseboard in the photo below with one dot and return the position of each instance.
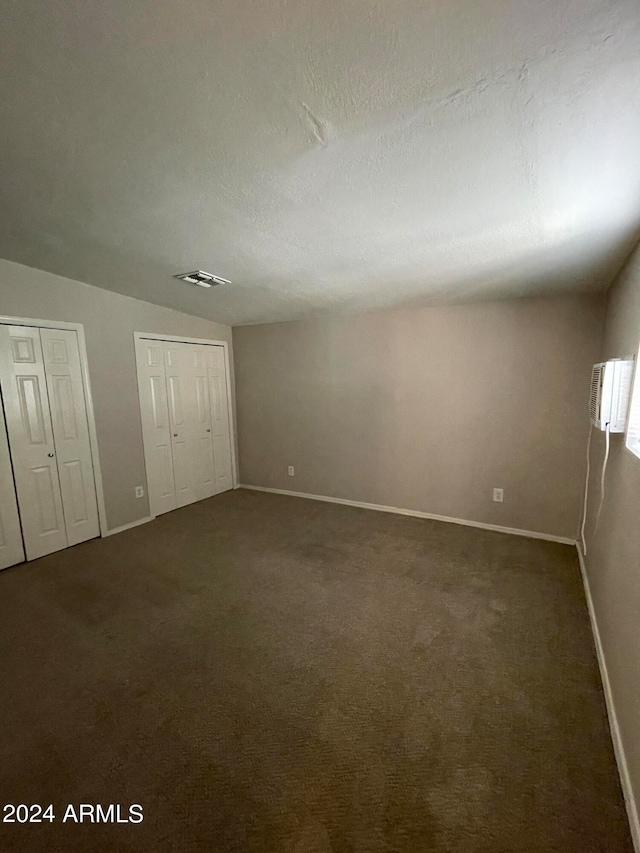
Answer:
(618, 747)
(128, 526)
(531, 534)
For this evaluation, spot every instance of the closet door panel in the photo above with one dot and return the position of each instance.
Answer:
(206, 469)
(71, 433)
(29, 428)
(176, 403)
(202, 400)
(205, 461)
(11, 548)
(182, 472)
(190, 417)
(180, 417)
(220, 426)
(156, 431)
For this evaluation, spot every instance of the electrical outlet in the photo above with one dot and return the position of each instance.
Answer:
(139, 492)
(291, 471)
(498, 495)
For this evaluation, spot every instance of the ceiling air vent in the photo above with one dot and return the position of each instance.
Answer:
(202, 278)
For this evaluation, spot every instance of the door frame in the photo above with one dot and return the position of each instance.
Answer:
(185, 339)
(78, 328)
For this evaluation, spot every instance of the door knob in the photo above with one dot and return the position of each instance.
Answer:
(175, 435)
(208, 430)
(50, 455)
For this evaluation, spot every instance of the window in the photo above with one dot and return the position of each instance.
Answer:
(633, 427)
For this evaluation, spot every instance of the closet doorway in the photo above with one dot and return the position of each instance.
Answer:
(50, 485)
(185, 406)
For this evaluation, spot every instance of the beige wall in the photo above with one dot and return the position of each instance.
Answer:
(613, 553)
(426, 409)
(109, 322)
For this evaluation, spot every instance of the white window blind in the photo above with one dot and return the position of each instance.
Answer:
(633, 427)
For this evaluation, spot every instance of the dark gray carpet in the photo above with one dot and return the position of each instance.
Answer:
(264, 673)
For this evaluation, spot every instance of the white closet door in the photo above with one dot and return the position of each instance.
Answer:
(204, 467)
(11, 549)
(156, 430)
(71, 434)
(221, 430)
(190, 421)
(24, 391)
(176, 358)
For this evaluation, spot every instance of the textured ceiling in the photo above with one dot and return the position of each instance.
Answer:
(327, 155)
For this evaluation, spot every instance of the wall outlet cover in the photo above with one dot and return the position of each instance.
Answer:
(498, 495)
(291, 471)
(139, 491)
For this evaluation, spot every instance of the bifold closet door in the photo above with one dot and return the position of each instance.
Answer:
(11, 548)
(190, 421)
(71, 433)
(185, 422)
(26, 405)
(220, 418)
(152, 387)
(47, 427)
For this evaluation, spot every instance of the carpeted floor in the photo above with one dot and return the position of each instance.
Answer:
(265, 673)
